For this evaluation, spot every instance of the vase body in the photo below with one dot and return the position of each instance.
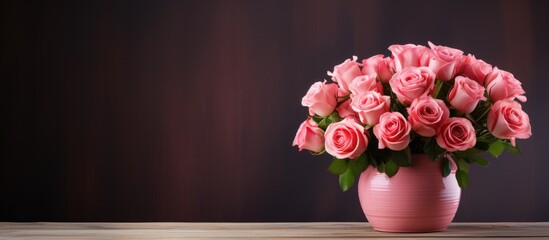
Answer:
(417, 199)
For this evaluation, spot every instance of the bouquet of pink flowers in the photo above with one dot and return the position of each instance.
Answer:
(435, 101)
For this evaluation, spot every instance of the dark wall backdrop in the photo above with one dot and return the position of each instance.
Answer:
(186, 110)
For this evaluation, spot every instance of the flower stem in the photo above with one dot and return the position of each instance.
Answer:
(468, 116)
(484, 113)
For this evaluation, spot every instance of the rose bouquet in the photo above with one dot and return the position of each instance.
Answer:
(434, 101)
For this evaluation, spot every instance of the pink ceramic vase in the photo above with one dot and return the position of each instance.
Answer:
(417, 199)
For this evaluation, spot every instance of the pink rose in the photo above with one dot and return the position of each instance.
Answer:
(344, 109)
(456, 134)
(369, 106)
(475, 69)
(321, 99)
(393, 131)
(383, 68)
(446, 62)
(345, 73)
(346, 139)
(410, 55)
(309, 136)
(426, 114)
(506, 120)
(396, 49)
(412, 83)
(365, 83)
(503, 85)
(465, 94)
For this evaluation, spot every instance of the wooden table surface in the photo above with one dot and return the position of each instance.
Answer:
(316, 230)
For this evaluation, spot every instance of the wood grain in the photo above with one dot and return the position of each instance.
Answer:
(315, 230)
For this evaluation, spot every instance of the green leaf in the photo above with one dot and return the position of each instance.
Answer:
(358, 165)
(317, 119)
(334, 117)
(346, 180)
(437, 88)
(512, 149)
(402, 158)
(324, 122)
(496, 148)
(462, 179)
(381, 167)
(391, 168)
(338, 166)
(446, 167)
(463, 166)
(438, 153)
(478, 160)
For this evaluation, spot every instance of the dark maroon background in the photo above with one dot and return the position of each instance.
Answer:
(186, 110)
